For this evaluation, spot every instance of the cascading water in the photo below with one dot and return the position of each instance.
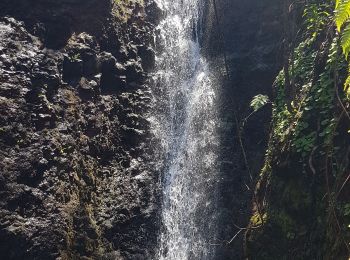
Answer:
(185, 122)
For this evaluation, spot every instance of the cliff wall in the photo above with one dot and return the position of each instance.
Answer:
(242, 40)
(76, 180)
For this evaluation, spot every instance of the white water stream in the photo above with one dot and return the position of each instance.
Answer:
(185, 122)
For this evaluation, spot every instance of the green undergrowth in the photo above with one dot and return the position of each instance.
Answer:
(303, 189)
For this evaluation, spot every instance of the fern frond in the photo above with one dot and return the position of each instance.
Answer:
(345, 40)
(347, 87)
(342, 13)
(336, 3)
(347, 84)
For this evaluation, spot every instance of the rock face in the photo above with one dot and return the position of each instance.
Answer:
(77, 180)
(248, 33)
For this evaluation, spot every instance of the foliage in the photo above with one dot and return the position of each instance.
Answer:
(342, 18)
(347, 209)
(301, 73)
(258, 102)
(315, 17)
(305, 180)
(342, 13)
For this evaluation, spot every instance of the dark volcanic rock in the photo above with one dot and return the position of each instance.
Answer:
(247, 34)
(76, 181)
(148, 58)
(54, 21)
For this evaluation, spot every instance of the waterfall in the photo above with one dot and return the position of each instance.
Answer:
(185, 122)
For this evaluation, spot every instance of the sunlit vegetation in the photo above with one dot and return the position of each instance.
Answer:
(342, 18)
(305, 182)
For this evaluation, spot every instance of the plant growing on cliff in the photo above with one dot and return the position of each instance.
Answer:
(307, 164)
(259, 101)
(342, 19)
(315, 17)
(342, 15)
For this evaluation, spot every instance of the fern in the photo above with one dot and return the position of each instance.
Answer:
(342, 16)
(347, 84)
(342, 13)
(345, 41)
(342, 20)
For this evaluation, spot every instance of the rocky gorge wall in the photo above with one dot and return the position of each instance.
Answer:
(248, 35)
(303, 188)
(76, 179)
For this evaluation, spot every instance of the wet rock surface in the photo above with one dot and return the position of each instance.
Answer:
(249, 35)
(76, 175)
(77, 179)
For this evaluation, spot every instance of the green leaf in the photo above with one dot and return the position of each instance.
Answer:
(259, 101)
